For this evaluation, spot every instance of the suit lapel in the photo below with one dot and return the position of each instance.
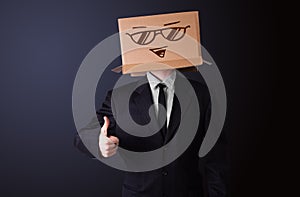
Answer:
(174, 120)
(142, 100)
(178, 109)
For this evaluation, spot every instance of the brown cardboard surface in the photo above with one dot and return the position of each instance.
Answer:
(170, 39)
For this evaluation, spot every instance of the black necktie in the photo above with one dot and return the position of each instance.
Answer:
(162, 101)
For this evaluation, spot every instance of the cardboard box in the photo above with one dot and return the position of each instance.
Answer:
(159, 42)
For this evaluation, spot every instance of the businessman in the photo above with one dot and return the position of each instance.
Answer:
(188, 175)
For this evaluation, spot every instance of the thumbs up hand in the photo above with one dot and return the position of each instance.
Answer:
(108, 145)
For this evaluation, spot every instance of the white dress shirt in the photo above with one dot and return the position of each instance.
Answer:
(169, 91)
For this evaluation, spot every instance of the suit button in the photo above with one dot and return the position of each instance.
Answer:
(164, 173)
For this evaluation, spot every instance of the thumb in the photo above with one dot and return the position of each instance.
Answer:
(105, 126)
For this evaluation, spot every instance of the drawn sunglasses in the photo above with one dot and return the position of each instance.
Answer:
(169, 33)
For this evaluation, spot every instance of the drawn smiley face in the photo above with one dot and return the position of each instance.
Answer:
(158, 42)
(169, 32)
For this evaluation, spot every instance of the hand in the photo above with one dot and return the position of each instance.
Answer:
(108, 145)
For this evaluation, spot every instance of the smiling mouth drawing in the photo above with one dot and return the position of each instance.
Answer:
(160, 52)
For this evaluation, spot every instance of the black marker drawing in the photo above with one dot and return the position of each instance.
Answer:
(160, 52)
(169, 33)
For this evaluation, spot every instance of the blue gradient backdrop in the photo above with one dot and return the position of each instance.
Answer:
(42, 44)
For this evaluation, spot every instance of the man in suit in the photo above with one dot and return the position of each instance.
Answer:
(188, 175)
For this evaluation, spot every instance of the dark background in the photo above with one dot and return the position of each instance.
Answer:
(42, 44)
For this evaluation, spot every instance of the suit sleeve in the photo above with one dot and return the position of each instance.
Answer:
(81, 147)
(105, 110)
(216, 164)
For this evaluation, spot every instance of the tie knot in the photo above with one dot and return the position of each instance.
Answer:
(161, 86)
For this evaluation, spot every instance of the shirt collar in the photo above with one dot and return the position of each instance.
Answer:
(169, 81)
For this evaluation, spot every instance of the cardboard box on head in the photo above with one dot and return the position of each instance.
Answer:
(159, 42)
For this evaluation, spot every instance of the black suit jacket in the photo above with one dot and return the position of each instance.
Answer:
(188, 175)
